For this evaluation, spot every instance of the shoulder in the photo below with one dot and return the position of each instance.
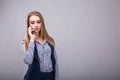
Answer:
(51, 46)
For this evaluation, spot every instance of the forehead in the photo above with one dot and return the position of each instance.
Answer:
(34, 18)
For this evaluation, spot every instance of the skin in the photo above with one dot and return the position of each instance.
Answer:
(35, 25)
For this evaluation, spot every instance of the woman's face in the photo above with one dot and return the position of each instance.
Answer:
(35, 23)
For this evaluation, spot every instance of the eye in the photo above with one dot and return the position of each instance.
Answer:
(39, 21)
(32, 22)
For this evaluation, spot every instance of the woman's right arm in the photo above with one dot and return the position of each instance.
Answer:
(29, 54)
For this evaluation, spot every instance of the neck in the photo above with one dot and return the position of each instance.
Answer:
(40, 40)
(38, 37)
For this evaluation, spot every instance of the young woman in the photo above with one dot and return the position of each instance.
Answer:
(39, 50)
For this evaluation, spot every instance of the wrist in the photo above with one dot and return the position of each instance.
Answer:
(32, 40)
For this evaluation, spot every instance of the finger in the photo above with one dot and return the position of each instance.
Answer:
(29, 28)
(33, 29)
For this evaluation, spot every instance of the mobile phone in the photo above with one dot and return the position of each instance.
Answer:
(32, 31)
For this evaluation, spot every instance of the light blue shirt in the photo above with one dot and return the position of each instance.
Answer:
(44, 54)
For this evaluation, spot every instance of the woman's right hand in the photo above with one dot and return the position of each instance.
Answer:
(31, 34)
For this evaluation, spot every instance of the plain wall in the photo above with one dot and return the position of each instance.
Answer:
(86, 32)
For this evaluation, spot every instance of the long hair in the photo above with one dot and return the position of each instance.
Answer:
(43, 32)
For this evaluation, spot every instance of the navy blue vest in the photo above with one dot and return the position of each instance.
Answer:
(33, 72)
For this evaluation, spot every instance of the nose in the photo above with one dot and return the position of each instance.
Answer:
(36, 24)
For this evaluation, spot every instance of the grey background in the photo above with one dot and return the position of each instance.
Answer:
(86, 32)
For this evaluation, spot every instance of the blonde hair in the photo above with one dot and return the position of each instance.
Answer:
(43, 32)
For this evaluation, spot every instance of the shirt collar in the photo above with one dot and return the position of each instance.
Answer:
(41, 43)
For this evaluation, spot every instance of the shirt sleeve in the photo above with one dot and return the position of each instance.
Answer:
(56, 66)
(28, 54)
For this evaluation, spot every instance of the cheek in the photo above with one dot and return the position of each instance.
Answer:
(39, 28)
